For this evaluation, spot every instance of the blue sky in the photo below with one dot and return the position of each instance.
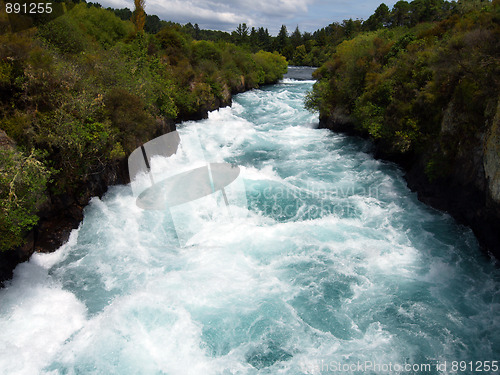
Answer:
(309, 15)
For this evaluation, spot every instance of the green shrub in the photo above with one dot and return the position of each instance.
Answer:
(23, 181)
(204, 50)
(64, 34)
(434, 84)
(271, 66)
(102, 25)
(174, 44)
(127, 113)
(87, 90)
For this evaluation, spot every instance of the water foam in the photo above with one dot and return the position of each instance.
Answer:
(333, 260)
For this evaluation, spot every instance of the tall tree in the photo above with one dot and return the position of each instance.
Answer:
(254, 41)
(196, 29)
(425, 10)
(153, 24)
(124, 14)
(349, 28)
(139, 16)
(281, 40)
(264, 39)
(296, 38)
(400, 14)
(241, 33)
(378, 19)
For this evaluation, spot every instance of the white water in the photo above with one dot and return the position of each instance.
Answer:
(334, 260)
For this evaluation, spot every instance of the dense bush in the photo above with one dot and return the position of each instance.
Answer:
(23, 182)
(272, 66)
(63, 34)
(434, 86)
(203, 50)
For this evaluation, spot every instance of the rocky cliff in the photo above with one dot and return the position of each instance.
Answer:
(470, 188)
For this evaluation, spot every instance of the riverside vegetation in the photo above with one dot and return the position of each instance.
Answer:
(78, 94)
(428, 95)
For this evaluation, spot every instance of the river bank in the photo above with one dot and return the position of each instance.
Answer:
(428, 97)
(465, 193)
(62, 213)
(72, 115)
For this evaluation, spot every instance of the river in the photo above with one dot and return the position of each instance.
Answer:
(326, 263)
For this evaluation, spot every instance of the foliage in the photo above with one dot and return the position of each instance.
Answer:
(23, 181)
(314, 49)
(64, 35)
(272, 66)
(139, 16)
(431, 87)
(87, 89)
(203, 50)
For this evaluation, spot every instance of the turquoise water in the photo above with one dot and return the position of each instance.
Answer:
(329, 262)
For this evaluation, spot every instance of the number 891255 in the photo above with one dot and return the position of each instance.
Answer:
(28, 8)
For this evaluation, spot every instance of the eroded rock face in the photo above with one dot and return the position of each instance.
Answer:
(5, 141)
(492, 158)
(469, 191)
(8, 259)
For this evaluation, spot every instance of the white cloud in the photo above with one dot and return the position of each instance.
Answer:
(219, 14)
(225, 15)
(188, 11)
(274, 8)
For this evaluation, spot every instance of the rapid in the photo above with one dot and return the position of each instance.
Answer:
(326, 264)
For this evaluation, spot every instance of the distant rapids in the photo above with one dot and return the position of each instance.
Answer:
(328, 264)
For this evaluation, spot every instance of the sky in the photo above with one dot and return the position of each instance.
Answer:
(225, 15)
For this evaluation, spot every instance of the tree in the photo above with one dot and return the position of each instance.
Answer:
(254, 41)
(264, 39)
(464, 6)
(241, 33)
(400, 14)
(320, 37)
(125, 14)
(153, 24)
(378, 19)
(139, 16)
(348, 26)
(196, 29)
(296, 38)
(281, 41)
(425, 10)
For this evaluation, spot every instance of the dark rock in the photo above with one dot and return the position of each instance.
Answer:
(467, 192)
(5, 141)
(463, 200)
(61, 214)
(8, 261)
(340, 124)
